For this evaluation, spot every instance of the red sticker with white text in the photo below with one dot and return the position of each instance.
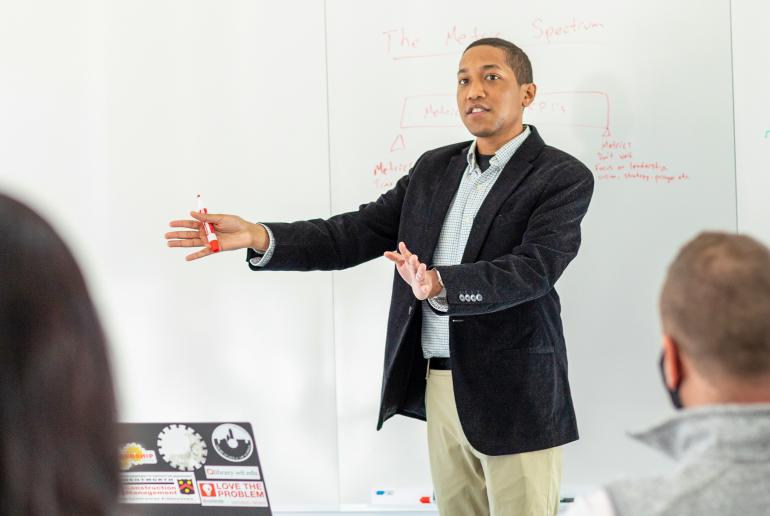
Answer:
(232, 493)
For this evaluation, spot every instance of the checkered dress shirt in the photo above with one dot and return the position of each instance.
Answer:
(474, 187)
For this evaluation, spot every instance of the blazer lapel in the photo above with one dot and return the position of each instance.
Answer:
(515, 171)
(439, 201)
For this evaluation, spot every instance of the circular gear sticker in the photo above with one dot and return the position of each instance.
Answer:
(232, 442)
(182, 447)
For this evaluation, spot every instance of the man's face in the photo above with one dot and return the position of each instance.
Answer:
(489, 96)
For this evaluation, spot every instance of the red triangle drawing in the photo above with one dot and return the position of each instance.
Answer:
(398, 143)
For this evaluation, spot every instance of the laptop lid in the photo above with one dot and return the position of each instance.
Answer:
(188, 469)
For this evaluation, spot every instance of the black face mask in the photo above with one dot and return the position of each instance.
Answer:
(676, 401)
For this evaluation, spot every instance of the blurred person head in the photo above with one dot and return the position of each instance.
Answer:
(58, 447)
(715, 311)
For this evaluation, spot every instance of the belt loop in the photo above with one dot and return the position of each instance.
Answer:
(427, 369)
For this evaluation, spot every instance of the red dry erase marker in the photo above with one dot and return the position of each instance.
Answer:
(210, 235)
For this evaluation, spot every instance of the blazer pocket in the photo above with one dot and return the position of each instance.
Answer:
(509, 216)
(517, 330)
(517, 211)
(540, 350)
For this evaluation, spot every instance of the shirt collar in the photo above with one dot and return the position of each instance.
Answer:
(503, 154)
(738, 432)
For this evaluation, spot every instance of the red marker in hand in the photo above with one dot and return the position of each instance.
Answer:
(209, 228)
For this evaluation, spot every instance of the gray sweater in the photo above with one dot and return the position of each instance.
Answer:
(723, 455)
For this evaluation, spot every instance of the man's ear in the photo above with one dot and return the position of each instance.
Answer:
(530, 90)
(672, 363)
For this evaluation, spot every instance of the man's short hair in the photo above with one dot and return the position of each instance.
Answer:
(514, 56)
(715, 304)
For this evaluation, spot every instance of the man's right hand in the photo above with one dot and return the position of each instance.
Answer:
(232, 232)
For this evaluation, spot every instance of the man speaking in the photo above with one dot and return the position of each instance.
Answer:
(479, 232)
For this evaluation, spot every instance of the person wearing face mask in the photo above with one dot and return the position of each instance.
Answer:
(715, 364)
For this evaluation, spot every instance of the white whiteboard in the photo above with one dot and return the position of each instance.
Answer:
(751, 63)
(617, 88)
(115, 114)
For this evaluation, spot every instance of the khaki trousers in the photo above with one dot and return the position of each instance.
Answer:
(469, 483)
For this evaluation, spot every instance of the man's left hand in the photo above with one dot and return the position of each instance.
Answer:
(424, 282)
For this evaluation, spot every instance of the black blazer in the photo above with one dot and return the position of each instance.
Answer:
(509, 362)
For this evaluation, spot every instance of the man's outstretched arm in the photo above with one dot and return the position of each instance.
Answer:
(338, 242)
